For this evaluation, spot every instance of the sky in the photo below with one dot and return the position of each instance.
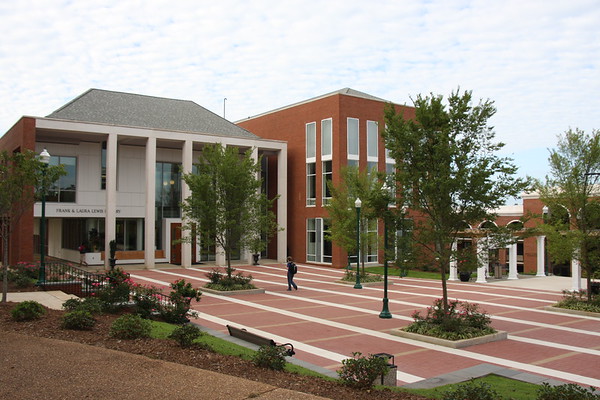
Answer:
(539, 61)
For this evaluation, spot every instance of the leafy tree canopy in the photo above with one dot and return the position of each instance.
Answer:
(448, 169)
(226, 204)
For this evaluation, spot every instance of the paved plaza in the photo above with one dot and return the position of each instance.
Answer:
(327, 321)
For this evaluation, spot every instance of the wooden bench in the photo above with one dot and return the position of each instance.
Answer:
(258, 340)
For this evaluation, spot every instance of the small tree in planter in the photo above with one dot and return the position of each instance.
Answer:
(113, 250)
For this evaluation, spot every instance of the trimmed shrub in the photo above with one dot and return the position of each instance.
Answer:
(80, 320)
(130, 326)
(472, 391)
(28, 311)
(270, 357)
(360, 372)
(185, 335)
(91, 304)
(569, 391)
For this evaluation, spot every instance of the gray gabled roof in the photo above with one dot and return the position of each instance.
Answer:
(345, 91)
(134, 110)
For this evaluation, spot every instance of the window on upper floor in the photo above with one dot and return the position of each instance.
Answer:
(372, 141)
(64, 190)
(353, 141)
(326, 139)
(311, 142)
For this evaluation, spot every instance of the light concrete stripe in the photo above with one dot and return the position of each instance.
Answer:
(556, 345)
(419, 305)
(336, 357)
(402, 282)
(391, 290)
(460, 352)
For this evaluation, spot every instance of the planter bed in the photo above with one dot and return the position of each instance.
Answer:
(570, 311)
(232, 292)
(455, 344)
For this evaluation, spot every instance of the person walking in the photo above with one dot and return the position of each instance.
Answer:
(291, 271)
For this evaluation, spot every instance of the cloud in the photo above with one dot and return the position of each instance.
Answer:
(538, 60)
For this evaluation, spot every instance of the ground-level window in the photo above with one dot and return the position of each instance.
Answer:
(90, 232)
(372, 240)
(318, 246)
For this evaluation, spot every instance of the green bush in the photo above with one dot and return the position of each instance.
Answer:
(181, 297)
(568, 391)
(185, 335)
(271, 357)
(472, 391)
(130, 326)
(28, 311)
(91, 304)
(461, 320)
(578, 301)
(220, 281)
(80, 320)
(360, 372)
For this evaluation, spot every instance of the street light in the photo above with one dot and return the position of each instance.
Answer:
(44, 159)
(357, 205)
(385, 312)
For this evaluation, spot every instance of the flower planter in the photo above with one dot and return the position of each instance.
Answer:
(455, 344)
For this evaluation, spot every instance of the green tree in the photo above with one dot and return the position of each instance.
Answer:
(570, 192)
(369, 187)
(23, 177)
(226, 203)
(447, 169)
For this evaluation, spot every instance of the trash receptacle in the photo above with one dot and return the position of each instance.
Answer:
(498, 271)
(388, 379)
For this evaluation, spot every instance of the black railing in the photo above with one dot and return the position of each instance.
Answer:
(71, 280)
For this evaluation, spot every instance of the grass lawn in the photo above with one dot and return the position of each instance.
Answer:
(393, 271)
(507, 388)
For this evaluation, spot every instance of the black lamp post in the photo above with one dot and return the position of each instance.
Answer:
(45, 159)
(357, 205)
(385, 312)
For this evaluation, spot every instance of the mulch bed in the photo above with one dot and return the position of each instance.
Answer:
(168, 350)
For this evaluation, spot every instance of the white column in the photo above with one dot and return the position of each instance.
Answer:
(110, 221)
(150, 237)
(482, 259)
(282, 178)
(247, 253)
(453, 264)
(186, 246)
(541, 255)
(576, 273)
(512, 262)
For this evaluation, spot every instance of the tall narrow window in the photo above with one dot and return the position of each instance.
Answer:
(311, 141)
(327, 176)
(311, 164)
(372, 240)
(326, 139)
(318, 247)
(353, 141)
(311, 184)
(65, 188)
(372, 145)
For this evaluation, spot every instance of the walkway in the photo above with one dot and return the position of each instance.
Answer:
(327, 321)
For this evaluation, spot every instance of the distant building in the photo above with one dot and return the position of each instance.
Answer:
(124, 154)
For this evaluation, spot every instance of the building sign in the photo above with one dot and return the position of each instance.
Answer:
(74, 211)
